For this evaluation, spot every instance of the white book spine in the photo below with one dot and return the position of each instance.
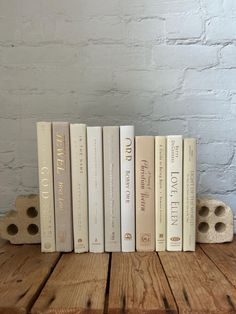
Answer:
(189, 195)
(45, 167)
(111, 158)
(174, 193)
(95, 189)
(160, 192)
(79, 186)
(127, 188)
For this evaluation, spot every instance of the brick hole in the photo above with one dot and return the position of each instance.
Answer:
(33, 229)
(220, 211)
(32, 212)
(220, 227)
(12, 229)
(203, 227)
(203, 211)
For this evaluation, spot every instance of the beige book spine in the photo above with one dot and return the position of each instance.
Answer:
(111, 166)
(174, 193)
(78, 140)
(95, 189)
(45, 169)
(160, 192)
(62, 186)
(189, 194)
(145, 215)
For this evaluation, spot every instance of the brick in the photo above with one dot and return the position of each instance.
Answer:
(213, 130)
(210, 79)
(220, 29)
(213, 8)
(182, 56)
(158, 80)
(161, 7)
(219, 181)
(29, 177)
(227, 56)
(184, 27)
(207, 153)
(191, 105)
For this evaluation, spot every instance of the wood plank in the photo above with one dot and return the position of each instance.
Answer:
(224, 256)
(197, 284)
(77, 285)
(23, 272)
(138, 285)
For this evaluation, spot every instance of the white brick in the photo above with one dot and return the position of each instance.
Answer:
(29, 177)
(218, 180)
(175, 105)
(207, 153)
(213, 8)
(47, 55)
(227, 58)
(145, 30)
(158, 8)
(169, 127)
(182, 56)
(229, 7)
(184, 27)
(213, 130)
(158, 80)
(211, 79)
(221, 29)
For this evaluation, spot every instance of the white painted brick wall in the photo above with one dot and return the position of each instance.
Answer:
(167, 66)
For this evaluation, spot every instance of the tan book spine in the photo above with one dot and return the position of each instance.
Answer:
(95, 189)
(62, 187)
(111, 166)
(145, 215)
(189, 194)
(45, 169)
(174, 193)
(160, 192)
(78, 139)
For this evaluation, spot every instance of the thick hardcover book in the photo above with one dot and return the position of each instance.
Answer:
(174, 193)
(160, 192)
(78, 140)
(145, 211)
(189, 194)
(62, 186)
(111, 166)
(127, 188)
(45, 169)
(95, 189)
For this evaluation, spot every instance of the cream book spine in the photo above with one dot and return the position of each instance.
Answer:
(62, 186)
(145, 207)
(127, 188)
(95, 189)
(160, 192)
(189, 194)
(78, 140)
(174, 193)
(45, 169)
(111, 166)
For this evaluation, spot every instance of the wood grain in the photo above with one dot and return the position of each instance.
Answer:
(138, 285)
(77, 285)
(197, 284)
(224, 256)
(23, 272)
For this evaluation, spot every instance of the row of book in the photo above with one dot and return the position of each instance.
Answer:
(105, 189)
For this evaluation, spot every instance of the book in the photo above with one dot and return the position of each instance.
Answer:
(111, 166)
(145, 211)
(95, 189)
(78, 140)
(62, 187)
(127, 188)
(46, 193)
(174, 193)
(160, 192)
(189, 194)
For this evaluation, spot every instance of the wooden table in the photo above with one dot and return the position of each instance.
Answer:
(199, 282)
